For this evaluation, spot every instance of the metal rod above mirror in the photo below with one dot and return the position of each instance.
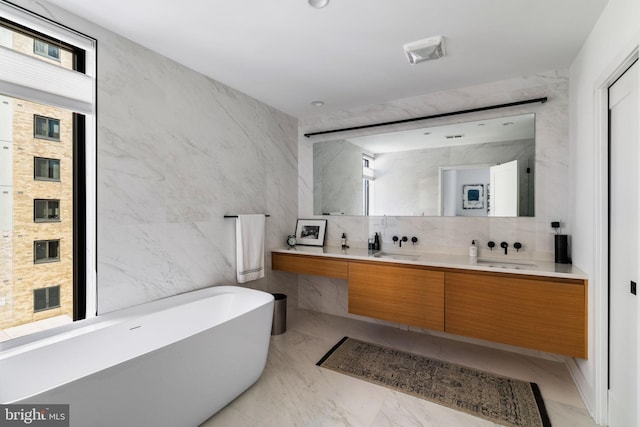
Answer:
(480, 168)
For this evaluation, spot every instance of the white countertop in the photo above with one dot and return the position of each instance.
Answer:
(494, 264)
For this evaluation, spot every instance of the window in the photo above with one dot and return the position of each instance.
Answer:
(46, 251)
(367, 183)
(46, 169)
(45, 49)
(48, 81)
(46, 298)
(46, 210)
(46, 128)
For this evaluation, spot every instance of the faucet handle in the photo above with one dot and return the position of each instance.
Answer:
(414, 240)
(518, 246)
(504, 245)
(491, 244)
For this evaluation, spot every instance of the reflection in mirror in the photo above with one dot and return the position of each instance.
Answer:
(480, 168)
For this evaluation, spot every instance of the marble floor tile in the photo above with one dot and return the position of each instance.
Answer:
(293, 391)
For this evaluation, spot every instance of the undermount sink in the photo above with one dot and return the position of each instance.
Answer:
(406, 257)
(515, 265)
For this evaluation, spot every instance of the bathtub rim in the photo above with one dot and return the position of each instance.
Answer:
(13, 347)
(258, 300)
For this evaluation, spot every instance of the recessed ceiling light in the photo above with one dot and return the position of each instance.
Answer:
(317, 103)
(424, 50)
(318, 4)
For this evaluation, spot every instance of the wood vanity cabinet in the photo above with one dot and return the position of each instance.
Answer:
(537, 312)
(404, 294)
(542, 313)
(304, 264)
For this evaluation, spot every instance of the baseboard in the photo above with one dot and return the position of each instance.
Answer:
(584, 387)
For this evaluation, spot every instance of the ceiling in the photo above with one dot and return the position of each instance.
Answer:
(348, 54)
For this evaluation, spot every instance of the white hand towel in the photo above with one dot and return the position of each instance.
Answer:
(250, 247)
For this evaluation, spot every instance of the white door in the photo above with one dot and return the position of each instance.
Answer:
(623, 250)
(504, 189)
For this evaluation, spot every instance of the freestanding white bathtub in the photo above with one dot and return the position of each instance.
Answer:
(172, 362)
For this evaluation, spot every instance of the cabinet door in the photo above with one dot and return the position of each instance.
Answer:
(547, 315)
(410, 296)
(303, 264)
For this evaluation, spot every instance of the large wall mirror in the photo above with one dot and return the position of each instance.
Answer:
(480, 168)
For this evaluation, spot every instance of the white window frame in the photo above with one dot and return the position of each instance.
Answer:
(368, 176)
(48, 83)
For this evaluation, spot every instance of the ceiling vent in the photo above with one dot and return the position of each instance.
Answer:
(425, 50)
(454, 136)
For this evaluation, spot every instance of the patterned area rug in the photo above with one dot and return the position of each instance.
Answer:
(502, 400)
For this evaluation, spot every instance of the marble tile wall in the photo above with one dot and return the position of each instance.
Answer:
(451, 235)
(337, 184)
(177, 151)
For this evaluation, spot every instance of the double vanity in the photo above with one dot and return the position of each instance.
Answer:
(536, 305)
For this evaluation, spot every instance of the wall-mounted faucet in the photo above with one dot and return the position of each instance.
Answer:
(397, 239)
(504, 245)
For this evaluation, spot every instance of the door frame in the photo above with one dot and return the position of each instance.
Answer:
(443, 169)
(601, 255)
